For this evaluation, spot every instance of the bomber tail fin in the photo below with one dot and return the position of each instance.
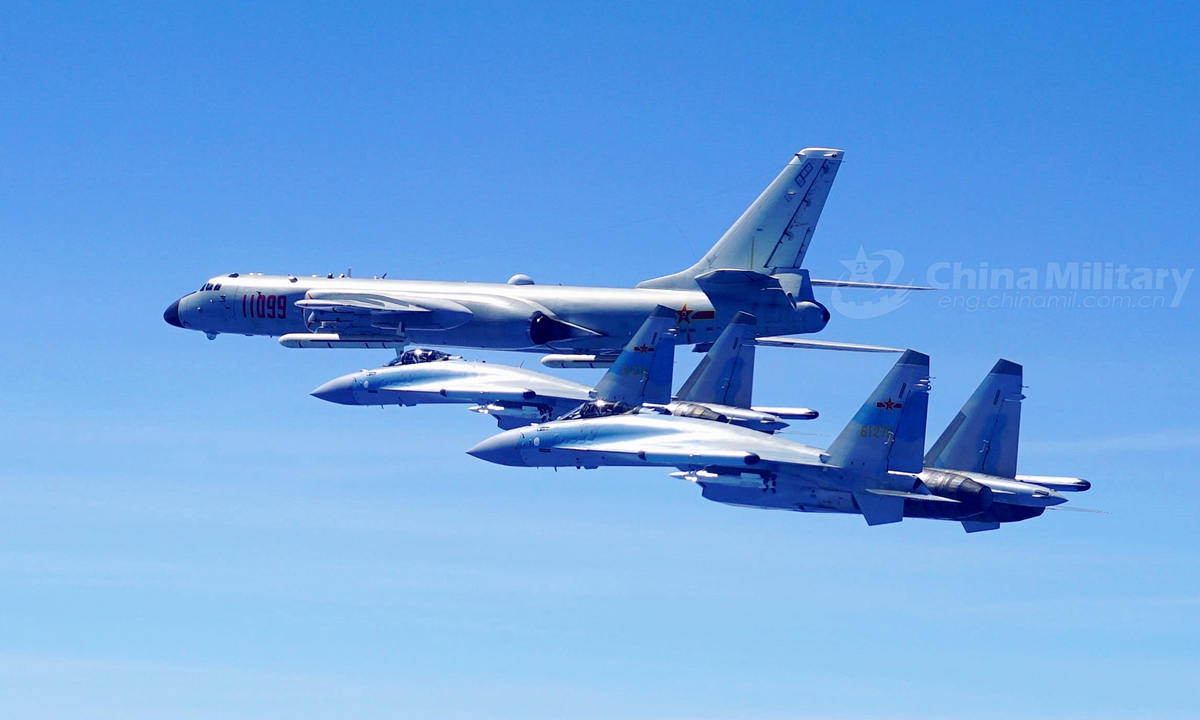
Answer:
(888, 431)
(773, 234)
(983, 436)
(642, 372)
(726, 374)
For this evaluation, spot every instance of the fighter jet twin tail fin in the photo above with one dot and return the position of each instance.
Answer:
(642, 372)
(983, 436)
(726, 374)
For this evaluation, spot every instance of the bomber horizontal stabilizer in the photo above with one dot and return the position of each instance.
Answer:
(790, 342)
(866, 286)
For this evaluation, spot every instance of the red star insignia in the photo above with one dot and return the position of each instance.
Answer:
(683, 315)
(889, 405)
(643, 349)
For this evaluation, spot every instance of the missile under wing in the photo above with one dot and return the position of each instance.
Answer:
(867, 471)
(722, 385)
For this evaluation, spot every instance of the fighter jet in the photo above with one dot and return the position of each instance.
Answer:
(975, 461)
(874, 468)
(515, 396)
(756, 267)
(719, 389)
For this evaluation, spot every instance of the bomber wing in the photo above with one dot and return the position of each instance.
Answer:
(782, 341)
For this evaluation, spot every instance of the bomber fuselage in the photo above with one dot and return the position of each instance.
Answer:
(499, 316)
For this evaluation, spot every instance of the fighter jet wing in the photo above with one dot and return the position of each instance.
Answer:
(781, 341)
(375, 311)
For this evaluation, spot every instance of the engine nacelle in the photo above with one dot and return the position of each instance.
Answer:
(974, 496)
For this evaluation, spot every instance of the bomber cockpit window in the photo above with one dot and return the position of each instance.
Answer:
(597, 409)
(417, 356)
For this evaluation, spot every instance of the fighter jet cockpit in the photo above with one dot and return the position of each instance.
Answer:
(416, 356)
(693, 410)
(597, 409)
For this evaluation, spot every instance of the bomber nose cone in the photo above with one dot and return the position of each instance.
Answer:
(338, 390)
(500, 449)
(171, 315)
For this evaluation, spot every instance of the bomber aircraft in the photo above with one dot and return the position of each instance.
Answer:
(719, 388)
(756, 266)
(875, 467)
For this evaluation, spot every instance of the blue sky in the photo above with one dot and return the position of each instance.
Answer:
(185, 532)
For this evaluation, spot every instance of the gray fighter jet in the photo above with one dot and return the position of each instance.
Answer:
(875, 466)
(755, 267)
(515, 396)
(719, 388)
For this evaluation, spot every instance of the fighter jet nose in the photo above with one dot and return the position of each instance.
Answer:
(339, 390)
(171, 315)
(499, 449)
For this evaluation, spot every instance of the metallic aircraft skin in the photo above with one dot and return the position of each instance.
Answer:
(499, 316)
(975, 458)
(870, 469)
(514, 396)
(722, 385)
(874, 468)
(756, 266)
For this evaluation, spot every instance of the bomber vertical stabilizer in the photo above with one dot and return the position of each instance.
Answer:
(983, 436)
(642, 372)
(773, 235)
(888, 432)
